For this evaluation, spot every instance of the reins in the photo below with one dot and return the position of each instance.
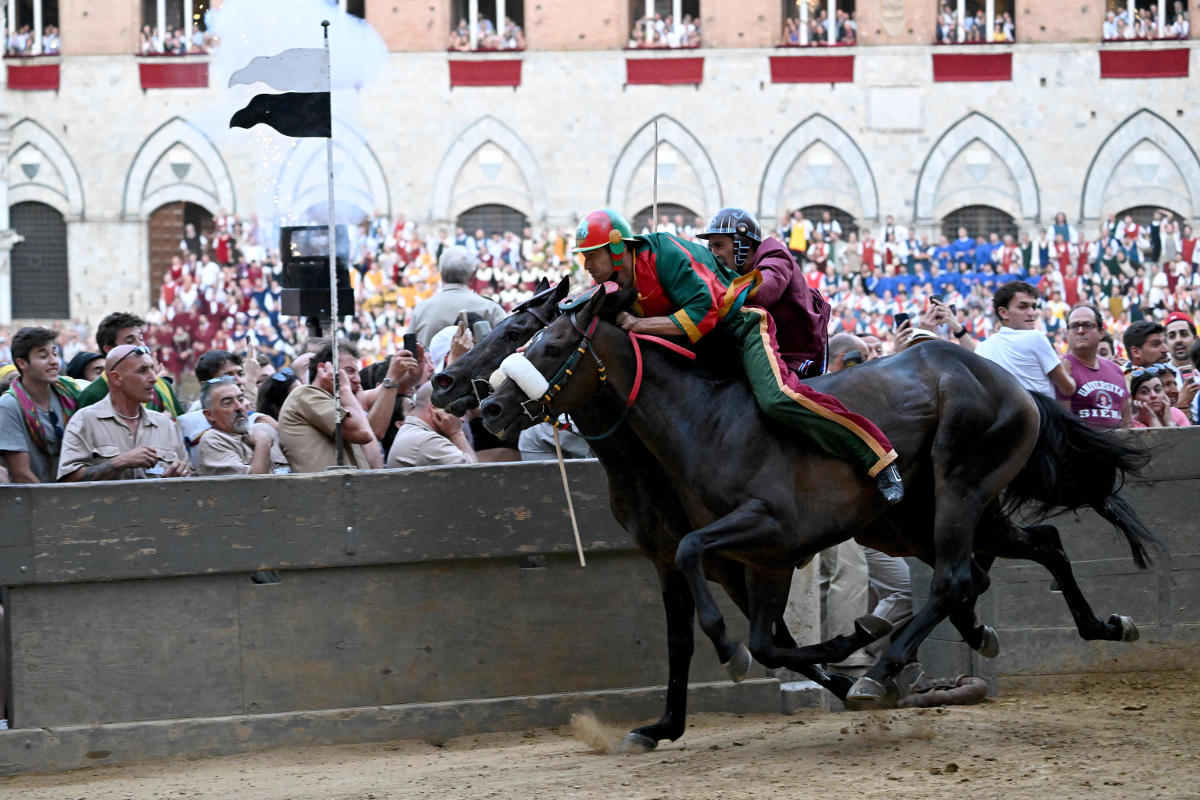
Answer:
(537, 409)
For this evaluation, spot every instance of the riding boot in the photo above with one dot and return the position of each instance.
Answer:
(890, 485)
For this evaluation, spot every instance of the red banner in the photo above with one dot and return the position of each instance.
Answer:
(174, 75)
(664, 70)
(486, 73)
(812, 69)
(949, 67)
(1144, 63)
(33, 77)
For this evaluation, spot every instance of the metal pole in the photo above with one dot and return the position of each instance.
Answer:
(473, 23)
(654, 199)
(336, 322)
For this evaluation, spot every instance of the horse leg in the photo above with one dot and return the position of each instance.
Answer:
(677, 601)
(748, 524)
(1043, 545)
(979, 637)
(957, 511)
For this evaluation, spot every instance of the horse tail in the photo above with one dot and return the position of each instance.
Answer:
(1073, 467)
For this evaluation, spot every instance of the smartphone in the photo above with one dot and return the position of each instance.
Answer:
(852, 358)
(899, 320)
(953, 309)
(410, 344)
(936, 298)
(481, 329)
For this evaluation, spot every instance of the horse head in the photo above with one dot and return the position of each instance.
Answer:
(461, 386)
(558, 369)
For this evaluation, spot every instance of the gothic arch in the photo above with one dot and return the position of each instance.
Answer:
(488, 129)
(957, 137)
(641, 144)
(816, 128)
(303, 180)
(67, 200)
(1141, 126)
(139, 199)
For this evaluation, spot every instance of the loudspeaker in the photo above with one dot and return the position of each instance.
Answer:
(304, 253)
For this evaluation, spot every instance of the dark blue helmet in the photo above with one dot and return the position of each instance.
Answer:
(742, 226)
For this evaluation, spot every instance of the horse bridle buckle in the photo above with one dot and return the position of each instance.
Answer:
(540, 415)
(482, 389)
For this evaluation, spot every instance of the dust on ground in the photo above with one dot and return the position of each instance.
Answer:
(1123, 735)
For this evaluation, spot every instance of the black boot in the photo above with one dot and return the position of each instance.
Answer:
(890, 485)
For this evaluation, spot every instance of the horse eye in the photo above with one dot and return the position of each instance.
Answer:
(553, 350)
(512, 336)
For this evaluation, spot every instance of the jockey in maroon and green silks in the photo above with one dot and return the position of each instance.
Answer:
(684, 283)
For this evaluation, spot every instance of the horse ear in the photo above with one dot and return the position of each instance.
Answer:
(561, 290)
(542, 285)
(595, 302)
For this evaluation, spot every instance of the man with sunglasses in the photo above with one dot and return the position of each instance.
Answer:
(118, 438)
(1020, 347)
(233, 445)
(120, 328)
(1101, 399)
(35, 408)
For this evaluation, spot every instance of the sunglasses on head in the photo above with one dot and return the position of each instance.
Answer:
(285, 374)
(1152, 370)
(221, 379)
(141, 350)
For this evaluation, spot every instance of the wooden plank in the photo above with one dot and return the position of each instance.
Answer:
(428, 633)
(95, 653)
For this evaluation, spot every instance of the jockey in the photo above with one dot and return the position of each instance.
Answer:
(683, 289)
(801, 314)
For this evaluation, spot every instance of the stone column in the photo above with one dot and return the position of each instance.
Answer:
(8, 238)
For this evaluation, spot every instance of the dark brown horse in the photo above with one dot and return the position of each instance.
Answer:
(969, 437)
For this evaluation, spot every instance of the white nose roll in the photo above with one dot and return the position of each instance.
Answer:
(522, 371)
(496, 378)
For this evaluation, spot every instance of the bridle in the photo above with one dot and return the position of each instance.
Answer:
(482, 387)
(536, 409)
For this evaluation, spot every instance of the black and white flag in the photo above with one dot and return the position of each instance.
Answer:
(302, 73)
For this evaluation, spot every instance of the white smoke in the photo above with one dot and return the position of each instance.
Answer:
(247, 29)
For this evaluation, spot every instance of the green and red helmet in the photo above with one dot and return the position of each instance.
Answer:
(600, 228)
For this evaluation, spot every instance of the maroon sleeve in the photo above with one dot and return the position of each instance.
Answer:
(776, 267)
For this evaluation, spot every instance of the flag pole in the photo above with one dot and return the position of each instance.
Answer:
(335, 321)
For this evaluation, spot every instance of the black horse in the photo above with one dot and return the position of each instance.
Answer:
(969, 436)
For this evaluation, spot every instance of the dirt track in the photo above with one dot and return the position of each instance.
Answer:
(1114, 736)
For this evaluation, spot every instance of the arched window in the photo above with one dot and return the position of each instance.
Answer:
(166, 230)
(674, 213)
(40, 282)
(979, 221)
(492, 218)
(815, 214)
(1144, 215)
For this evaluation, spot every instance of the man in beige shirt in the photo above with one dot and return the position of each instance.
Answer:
(429, 437)
(231, 446)
(117, 438)
(306, 422)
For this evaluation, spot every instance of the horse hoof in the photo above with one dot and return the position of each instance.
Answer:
(872, 626)
(636, 744)
(739, 664)
(866, 694)
(907, 679)
(990, 646)
(1129, 631)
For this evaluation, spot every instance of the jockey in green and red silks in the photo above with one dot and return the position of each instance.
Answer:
(683, 289)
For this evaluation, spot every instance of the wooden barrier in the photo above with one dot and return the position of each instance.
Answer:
(433, 603)
(422, 603)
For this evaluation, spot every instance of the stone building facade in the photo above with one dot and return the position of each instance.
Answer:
(901, 128)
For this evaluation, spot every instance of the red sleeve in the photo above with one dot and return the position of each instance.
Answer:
(776, 274)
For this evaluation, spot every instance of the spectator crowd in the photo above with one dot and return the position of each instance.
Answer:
(845, 29)
(665, 32)
(174, 42)
(487, 36)
(973, 28)
(1143, 23)
(21, 41)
